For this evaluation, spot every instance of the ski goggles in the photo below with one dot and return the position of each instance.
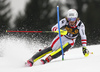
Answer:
(71, 19)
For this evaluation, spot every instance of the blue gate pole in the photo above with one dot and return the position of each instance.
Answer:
(59, 33)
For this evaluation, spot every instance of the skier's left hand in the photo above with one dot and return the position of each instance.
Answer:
(85, 51)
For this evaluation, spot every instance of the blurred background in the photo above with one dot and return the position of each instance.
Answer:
(41, 15)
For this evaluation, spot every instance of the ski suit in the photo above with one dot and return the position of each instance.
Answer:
(70, 37)
(68, 40)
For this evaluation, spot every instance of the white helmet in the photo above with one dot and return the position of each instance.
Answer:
(72, 13)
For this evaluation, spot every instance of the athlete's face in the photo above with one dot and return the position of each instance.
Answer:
(72, 21)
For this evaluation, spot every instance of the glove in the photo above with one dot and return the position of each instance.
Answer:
(62, 32)
(85, 51)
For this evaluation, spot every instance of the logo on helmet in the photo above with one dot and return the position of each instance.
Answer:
(71, 14)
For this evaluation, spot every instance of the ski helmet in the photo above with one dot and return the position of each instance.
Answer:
(72, 14)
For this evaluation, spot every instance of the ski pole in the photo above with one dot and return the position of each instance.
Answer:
(90, 52)
(62, 32)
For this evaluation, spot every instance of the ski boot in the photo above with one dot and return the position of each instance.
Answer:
(48, 59)
(43, 61)
(29, 63)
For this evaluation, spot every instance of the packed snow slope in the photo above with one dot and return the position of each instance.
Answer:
(14, 52)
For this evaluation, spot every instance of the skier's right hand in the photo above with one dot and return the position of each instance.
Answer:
(62, 32)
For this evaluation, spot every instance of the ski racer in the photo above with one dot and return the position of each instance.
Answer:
(74, 27)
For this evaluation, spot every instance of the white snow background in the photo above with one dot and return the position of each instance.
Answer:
(15, 52)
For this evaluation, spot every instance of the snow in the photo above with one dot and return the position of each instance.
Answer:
(15, 51)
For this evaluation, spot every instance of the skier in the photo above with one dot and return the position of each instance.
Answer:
(74, 27)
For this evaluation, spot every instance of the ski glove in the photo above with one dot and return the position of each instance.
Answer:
(85, 51)
(62, 32)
